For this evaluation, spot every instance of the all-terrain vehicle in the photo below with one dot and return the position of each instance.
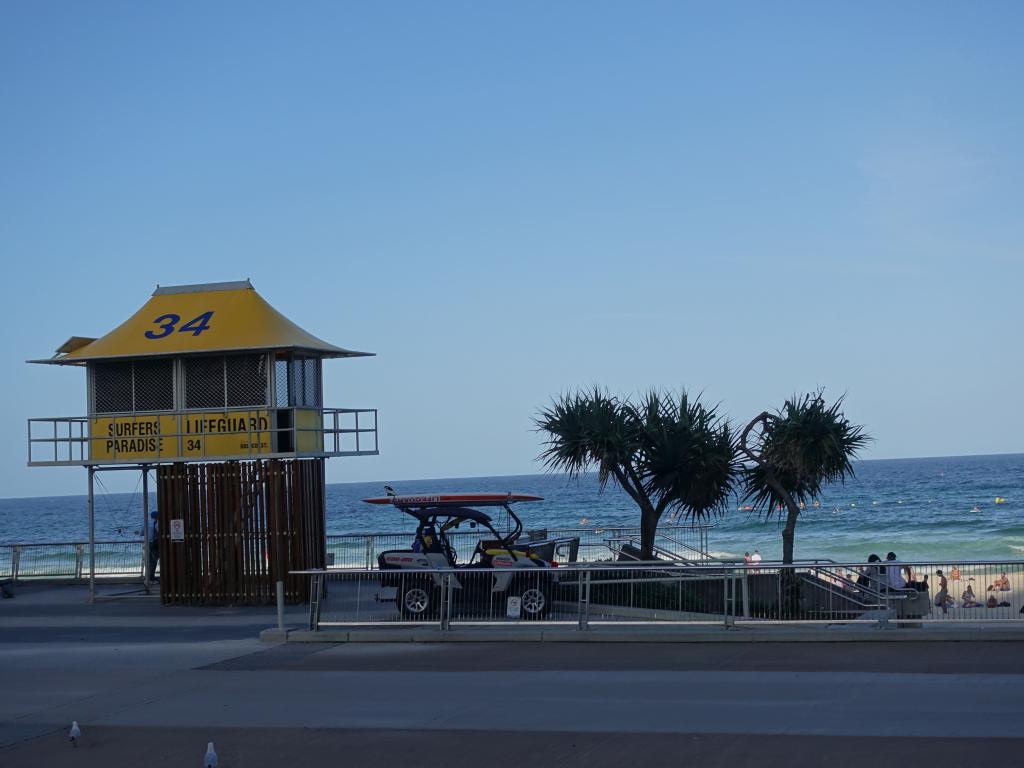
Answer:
(526, 569)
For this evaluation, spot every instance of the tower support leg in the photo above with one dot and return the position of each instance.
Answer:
(92, 537)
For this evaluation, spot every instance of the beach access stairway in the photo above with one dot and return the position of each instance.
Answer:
(821, 592)
(826, 593)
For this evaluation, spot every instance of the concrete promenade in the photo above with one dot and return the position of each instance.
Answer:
(150, 686)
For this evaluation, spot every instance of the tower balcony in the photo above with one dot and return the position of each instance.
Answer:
(221, 434)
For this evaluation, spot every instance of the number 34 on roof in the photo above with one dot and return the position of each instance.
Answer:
(168, 324)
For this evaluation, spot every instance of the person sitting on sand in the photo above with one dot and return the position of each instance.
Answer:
(991, 602)
(954, 575)
(1002, 584)
(912, 580)
(969, 600)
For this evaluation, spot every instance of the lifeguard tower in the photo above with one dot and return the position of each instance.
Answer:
(222, 396)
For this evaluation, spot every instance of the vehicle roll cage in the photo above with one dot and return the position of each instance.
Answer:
(431, 515)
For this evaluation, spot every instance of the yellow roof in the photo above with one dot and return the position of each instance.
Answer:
(188, 319)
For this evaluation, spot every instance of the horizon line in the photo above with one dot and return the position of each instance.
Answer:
(535, 474)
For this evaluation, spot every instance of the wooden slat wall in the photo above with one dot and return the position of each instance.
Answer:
(245, 522)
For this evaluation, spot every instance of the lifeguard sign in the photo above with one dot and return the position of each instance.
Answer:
(212, 375)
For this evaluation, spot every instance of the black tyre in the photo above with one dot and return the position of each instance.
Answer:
(418, 600)
(535, 596)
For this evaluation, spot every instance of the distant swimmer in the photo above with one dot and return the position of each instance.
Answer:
(817, 503)
(975, 509)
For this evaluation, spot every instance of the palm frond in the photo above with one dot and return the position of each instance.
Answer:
(806, 445)
(688, 460)
(586, 430)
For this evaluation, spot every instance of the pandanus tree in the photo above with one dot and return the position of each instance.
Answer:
(666, 451)
(793, 454)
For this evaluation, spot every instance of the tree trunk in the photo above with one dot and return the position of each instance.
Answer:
(790, 582)
(648, 530)
(789, 532)
(649, 513)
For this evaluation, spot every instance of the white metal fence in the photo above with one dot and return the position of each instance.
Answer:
(723, 593)
(70, 560)
(345, 551)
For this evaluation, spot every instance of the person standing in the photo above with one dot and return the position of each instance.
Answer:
(154, 543)
(942, 597)
(755, 559)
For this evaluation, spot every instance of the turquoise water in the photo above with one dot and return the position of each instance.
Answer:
(920, 508)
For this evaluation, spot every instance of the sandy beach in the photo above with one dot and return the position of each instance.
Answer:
(979, 578)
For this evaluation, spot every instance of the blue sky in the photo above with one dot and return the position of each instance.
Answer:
(508, 200)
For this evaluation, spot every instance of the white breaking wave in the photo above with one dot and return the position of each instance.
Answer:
(722, 555)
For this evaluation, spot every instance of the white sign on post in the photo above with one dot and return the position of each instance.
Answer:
(514, 607)
(177, 530)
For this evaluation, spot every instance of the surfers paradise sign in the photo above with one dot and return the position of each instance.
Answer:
(194, 435)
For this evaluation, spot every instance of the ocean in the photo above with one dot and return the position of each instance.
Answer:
(936, 508)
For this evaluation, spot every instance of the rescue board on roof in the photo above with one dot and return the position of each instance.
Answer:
(454, 499)
(188, 319)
